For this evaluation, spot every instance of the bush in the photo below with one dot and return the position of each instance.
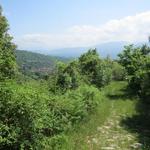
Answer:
(16, 122)
(22, 124)
(145, 87)
(118, 72)
(63, 112)
(103, 74)
(70, 108)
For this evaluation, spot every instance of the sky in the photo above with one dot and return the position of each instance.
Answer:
(52, 24)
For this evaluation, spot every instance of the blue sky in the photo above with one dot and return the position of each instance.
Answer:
(48, 24)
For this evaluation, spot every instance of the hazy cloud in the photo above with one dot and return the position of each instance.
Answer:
(131, 28)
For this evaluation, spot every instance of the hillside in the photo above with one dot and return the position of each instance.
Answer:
(35, 64)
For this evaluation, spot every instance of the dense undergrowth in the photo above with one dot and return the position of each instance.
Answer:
(32, 114)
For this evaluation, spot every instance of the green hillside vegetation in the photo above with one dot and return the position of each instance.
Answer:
(88, 103)
(36, 65)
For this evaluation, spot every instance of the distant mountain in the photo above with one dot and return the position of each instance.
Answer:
(112, 49)
(68, 52)
(34, 64)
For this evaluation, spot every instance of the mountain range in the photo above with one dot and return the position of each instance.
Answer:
(111, 48)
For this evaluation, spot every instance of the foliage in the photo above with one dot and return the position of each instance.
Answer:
(88, 69)
(70, 108)
(7, 48)
(103, 73)
(16, 121)
(88, 62)
(118, 71)
(136, 61)
(95, 70)
(64, 78)
(144, 82)
(134, 58)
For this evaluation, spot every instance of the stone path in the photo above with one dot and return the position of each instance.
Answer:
(112, 136)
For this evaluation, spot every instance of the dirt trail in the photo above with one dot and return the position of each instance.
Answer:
(112, 136)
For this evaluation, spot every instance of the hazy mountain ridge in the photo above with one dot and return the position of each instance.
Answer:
(110, 48)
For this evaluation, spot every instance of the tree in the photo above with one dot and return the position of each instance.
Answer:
(95, 70)
(88, 63)
(7, 48)
(17, 128)
(136, 61)
(65, 77)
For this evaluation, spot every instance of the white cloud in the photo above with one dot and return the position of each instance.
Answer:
(131, 28)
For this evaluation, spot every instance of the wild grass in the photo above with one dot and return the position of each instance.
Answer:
(103, 130)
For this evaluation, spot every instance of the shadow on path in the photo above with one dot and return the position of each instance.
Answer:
(140, 124)
(121, 94)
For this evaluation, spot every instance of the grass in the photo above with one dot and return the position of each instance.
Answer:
(30, 89)
(104, 130)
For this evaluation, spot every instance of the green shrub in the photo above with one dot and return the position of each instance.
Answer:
(16, 121)
(70, 108)
(145, 87)
(118, 72)
(65, 111)
(103, 74)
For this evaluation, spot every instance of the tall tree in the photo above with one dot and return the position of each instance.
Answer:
(7, 48)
